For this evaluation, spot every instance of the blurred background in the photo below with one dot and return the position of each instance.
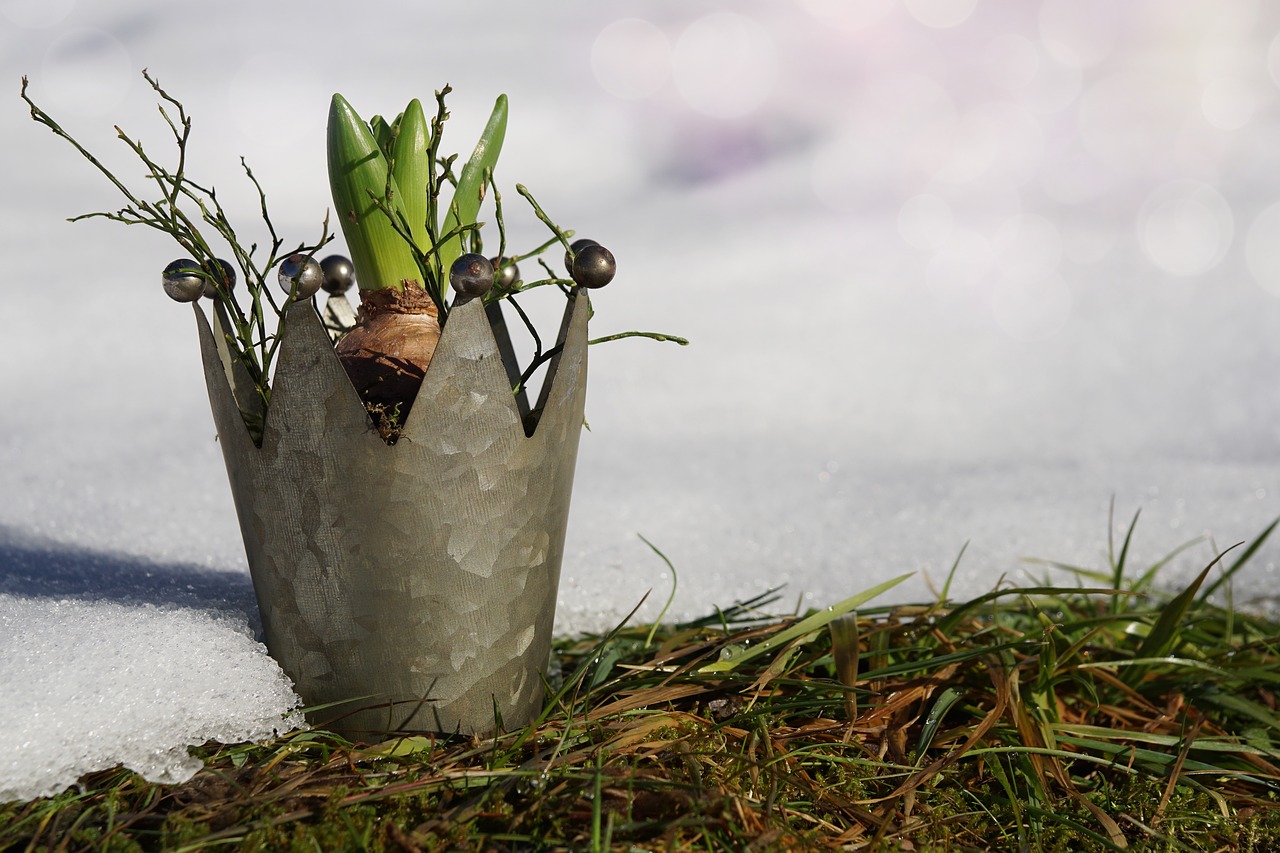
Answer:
(954, 271)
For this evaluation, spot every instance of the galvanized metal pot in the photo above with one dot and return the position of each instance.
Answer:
(413, 583)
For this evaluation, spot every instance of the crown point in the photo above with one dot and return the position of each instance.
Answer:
(182, 280)
(471, 275)
(339, 274)
(300, 275)
(594, 266)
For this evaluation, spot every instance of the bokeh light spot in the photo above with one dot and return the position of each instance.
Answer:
(1031, 304)
(1262, 249)
(289, 110)
(896, 139)
(1273, 59)
(1228, 104)
(941, 14)
(725, 65)
(631, 58)
(1027, 241)
(1012, 61)
(986, 205)
(1129, 120)
(924, 221)
(850, 17)
(1080, 32)
(995, 136)
(87, 71)
(965, 261)
(36, 14)
(1088, 240)
(1055, 87)
(1185, 227)
(1074, 176)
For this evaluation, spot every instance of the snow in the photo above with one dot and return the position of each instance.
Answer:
(953, 272)
(160, 682)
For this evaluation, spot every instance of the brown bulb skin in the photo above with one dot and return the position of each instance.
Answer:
(387, 354)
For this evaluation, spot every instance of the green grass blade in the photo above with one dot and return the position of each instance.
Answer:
(945, 700)
(1204, 743)
(1145, 663)
(648, 640)
(945, 595)
(1149, 575)
(470, 191)
(1077, 571)
(1164, 633)
(1063, 820)
(1248, 552)
(962, 611)
(1150, 760)
(1118, 564)
(1167, 628)
(804, 626)
(1242, 706)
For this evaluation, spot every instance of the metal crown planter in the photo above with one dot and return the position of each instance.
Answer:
(415, 582)
(403, 506)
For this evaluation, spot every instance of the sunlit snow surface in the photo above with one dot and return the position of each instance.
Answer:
(953, 270)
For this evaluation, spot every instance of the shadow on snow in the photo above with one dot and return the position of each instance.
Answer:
(35, 567)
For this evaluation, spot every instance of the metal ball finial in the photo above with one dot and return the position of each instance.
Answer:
(471, 275)
(594, 266)
(339, 274)
(574, 248)
(183, 281)
(508, 274)
(228, 274)
(303, 270)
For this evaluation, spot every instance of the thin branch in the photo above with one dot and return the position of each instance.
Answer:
(653, 336)
(546, 220)
(249, 338)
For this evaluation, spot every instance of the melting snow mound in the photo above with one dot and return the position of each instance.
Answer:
(89, 685)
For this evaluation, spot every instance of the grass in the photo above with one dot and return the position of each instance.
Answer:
(1053, 718)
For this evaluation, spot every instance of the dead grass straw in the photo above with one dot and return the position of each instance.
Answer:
(1051, 718)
